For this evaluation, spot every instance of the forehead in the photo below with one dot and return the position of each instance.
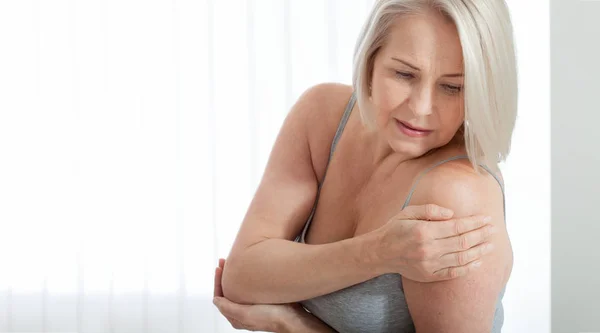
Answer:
(429, 40)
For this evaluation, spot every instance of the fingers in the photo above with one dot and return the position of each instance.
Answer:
(458, 226)
(463, 258)
(232, 311)
(455, 272)
(466, 240)
(218, 289)
(428, 212)
(461, 263)
(236, 324)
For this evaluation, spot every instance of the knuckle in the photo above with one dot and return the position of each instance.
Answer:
(458, 227)
(463, 241)
(462, 258)
(482, 249)
(420, 232)
(487, 248)
(453, 272)
(431, 210)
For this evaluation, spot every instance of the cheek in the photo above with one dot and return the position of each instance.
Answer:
(451, 118)
(388, 94)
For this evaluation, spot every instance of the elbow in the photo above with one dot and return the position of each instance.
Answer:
(233, 283)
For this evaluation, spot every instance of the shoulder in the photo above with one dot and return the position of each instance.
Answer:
(464, 304)
(319, 109)
(458, 184)
(327, 91)
(324, 99)
(322, 107)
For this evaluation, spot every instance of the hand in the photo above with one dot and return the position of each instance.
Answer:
(425, 245)
(255, 317)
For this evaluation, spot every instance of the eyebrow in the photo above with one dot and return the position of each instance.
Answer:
(417, 69)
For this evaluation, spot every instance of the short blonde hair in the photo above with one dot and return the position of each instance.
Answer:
(490, 71)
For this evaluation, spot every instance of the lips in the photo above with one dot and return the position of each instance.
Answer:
(414, 127)
(411, 130)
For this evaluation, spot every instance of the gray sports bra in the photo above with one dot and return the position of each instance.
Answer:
(378, 304)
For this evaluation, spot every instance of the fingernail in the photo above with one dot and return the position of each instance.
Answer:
(487, 219)
(489, 247)
(446, 212)
(477, 264)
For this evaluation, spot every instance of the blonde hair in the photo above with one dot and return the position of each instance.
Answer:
(490, 71)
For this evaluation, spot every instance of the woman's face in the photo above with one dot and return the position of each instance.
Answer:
(417, 84)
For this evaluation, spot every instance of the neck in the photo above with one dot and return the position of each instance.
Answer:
(380, 150)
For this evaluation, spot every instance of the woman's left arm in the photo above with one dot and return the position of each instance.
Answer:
(280, 318)
(465, 304)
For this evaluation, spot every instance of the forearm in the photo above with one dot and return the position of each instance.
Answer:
(278, 271)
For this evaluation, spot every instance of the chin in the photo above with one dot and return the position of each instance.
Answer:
(409, 148)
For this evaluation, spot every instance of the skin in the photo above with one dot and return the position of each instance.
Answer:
(413, 81)
(284, 318)
(427, 98)
(417, 78)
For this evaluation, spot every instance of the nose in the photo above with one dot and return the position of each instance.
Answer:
(421, 100)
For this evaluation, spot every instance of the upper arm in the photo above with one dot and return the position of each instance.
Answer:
(288, 187)
(466, 304)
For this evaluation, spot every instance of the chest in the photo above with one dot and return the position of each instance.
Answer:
(355, 198)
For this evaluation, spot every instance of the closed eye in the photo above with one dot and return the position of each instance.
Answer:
(452, 89)
(404, 75)
(448, 87)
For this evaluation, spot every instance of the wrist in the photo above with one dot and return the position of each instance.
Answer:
(370, 253)
(292, 320)
(303, 322)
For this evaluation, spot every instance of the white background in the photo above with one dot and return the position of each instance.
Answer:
(133, 134)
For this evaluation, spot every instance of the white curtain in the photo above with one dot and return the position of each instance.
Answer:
(133, 134)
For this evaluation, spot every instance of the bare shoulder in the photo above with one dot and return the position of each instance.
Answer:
(458, 186)
(323, 106)
(324, 96)
(465, 304)
(459, 183)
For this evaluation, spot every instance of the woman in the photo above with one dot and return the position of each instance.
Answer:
(428, 118)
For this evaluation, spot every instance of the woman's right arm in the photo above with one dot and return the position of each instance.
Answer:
(265, 265)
